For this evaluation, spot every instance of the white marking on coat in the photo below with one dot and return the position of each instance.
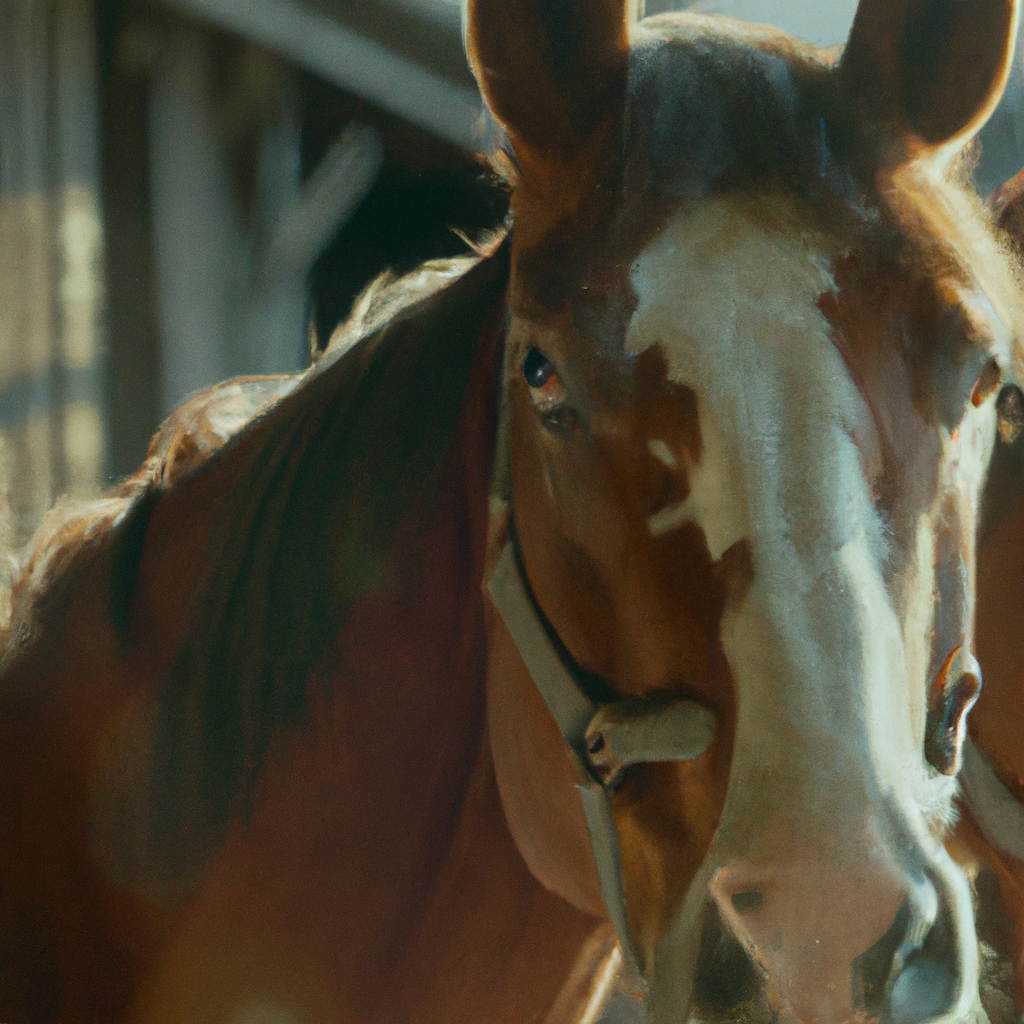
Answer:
(730, 293)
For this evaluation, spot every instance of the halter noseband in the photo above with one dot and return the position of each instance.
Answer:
(603, 740)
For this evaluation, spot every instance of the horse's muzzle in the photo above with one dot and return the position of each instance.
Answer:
(731, 987)
(901, 979)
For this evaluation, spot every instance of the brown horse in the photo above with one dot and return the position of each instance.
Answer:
(712, 426)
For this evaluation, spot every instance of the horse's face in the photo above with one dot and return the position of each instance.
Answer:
(756, 341)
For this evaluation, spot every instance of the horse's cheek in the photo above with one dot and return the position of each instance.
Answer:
(535, 780)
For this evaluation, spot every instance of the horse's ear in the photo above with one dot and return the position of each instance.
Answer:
(928, 71)
(552, 71)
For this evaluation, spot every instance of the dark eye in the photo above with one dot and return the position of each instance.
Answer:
(547, 395)
(537, 368)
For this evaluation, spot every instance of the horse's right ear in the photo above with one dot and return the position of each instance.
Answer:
(928, 72)
(553, 72)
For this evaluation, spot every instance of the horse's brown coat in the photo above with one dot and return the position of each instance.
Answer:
(251, 765)
(361, 886)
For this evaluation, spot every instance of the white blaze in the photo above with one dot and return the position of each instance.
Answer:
(828, 780)
(730, 292)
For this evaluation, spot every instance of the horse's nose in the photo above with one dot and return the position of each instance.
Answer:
(852, 942)
(908, 977)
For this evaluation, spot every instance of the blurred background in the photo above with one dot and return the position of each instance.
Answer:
(194, 189)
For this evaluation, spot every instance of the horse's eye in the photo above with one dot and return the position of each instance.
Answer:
(546, 391)
(537, 368)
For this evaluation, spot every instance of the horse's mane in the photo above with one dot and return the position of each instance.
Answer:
(195, 432)
(190, 436)
(324, 471)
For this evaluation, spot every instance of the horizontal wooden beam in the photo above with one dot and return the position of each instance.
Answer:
(358, 64)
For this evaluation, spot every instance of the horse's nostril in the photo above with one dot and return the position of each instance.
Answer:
(924, 990)
(908, 980)
(744, 901)
(957, 688)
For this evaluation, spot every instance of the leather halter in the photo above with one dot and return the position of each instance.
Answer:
(603, 740)
(997, 811)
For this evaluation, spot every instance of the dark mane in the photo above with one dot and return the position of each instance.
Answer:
(328, 470)
(336, 473)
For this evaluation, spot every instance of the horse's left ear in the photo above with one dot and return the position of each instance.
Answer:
(553, 72)
(928, 72)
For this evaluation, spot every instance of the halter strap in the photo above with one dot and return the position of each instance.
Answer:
(603, 740)
(997, 811)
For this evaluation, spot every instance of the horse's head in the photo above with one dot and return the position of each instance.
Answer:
(757, 335)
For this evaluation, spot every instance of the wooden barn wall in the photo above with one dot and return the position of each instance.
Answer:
(52, 420)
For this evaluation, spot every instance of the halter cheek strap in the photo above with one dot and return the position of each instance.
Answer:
(603, 740)
(996, 810)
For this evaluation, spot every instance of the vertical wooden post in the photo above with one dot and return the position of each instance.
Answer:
(79, 370)
(52, 422)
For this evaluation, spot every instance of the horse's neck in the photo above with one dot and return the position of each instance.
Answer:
(378, 856)
(372, 876)
(376, 879)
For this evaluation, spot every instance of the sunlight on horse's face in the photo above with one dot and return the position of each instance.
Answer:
(754, 505)
(753, 357)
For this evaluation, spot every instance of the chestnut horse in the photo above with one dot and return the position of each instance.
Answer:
(594, 623)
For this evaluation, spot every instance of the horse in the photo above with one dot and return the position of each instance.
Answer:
(595, 624)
